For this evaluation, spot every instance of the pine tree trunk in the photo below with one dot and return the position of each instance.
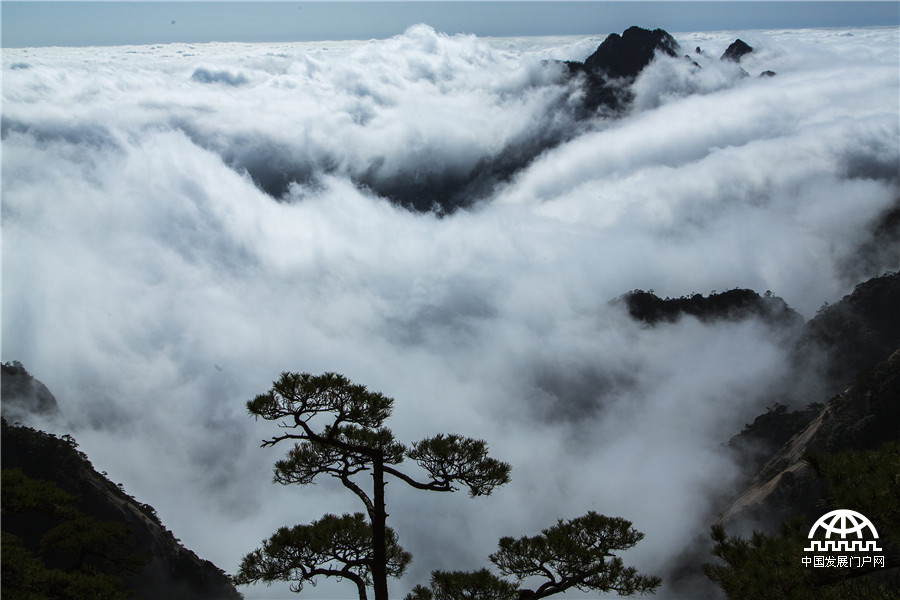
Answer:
(379, 533)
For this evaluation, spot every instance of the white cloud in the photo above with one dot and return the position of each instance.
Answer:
(154, 288)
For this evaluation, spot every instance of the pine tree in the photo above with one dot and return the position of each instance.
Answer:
(338, 429)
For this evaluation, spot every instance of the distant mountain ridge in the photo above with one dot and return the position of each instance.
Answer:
(649, 308)
(842, 339)
(841, 349)
(617, 62)
(600, 85)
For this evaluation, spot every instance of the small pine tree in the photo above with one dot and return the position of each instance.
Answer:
(574, 554)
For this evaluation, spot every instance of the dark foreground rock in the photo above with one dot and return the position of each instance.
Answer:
(93, 539)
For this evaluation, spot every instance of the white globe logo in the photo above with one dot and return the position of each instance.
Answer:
(843, 523)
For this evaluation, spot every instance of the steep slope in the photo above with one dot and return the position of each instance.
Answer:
(173, 572)
(849, 352)
(849, 349)
(863, 417)
(855, 333)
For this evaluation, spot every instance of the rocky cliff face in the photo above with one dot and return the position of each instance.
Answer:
(863, 417)
(625, 56)
(171, 571)
(846, 379)
(855, 345)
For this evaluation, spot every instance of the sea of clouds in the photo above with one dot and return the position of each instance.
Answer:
(181, 223)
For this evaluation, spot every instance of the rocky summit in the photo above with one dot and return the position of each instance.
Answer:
(616, 64)
(736, 51)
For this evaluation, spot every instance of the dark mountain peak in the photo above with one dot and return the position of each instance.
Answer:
(736, 51)
(618, 60)
(626, 55)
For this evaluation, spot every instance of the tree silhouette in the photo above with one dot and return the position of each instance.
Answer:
(578, 553)
(332, 546)
(465, 585)
(338, 430)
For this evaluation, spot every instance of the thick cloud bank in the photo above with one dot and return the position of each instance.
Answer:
(182, 223)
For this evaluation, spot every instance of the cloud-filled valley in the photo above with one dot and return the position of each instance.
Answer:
(182, 223)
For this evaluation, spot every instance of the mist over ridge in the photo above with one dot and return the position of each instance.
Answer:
(181, 223)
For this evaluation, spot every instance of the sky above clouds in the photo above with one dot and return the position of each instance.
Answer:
(126, 22)
(151, 282)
